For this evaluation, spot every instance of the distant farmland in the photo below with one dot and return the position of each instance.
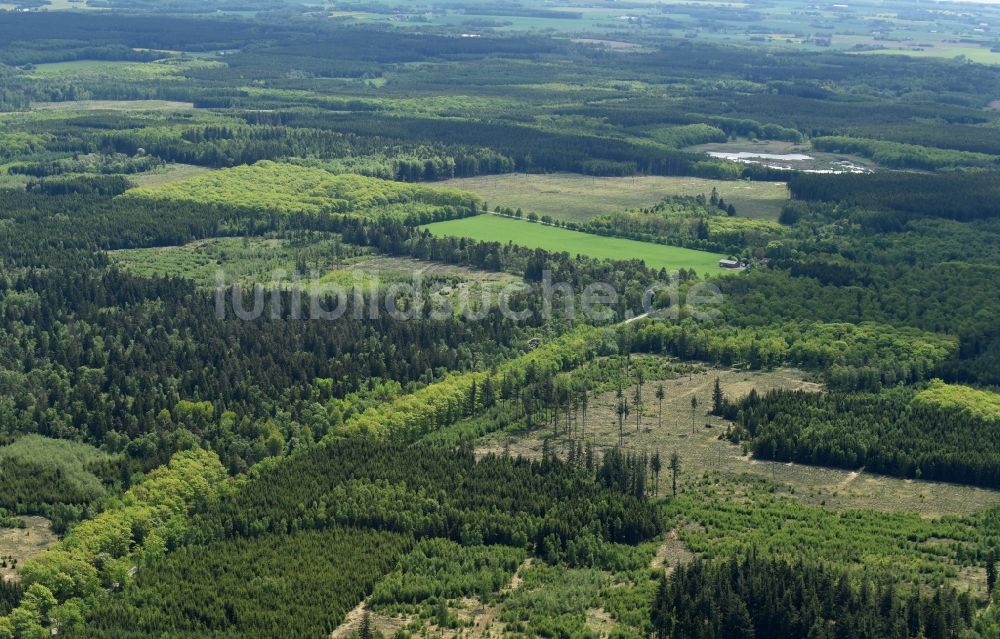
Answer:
(571, 197)
(493, 228)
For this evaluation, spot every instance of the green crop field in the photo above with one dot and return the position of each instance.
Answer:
(533, 235)
(573, 197)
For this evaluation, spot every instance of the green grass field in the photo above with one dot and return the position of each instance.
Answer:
(113, 105)
(972, 53)
(494, 228)
(168, 174)
(573, 197)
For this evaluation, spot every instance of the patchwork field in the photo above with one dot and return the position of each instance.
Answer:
(572, 197)
(494, 228)
(263, 260)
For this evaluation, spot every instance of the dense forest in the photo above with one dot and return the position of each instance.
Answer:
(250, 387)
(749, 597)
(896, 432)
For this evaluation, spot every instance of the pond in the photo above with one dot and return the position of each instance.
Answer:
(790, 162)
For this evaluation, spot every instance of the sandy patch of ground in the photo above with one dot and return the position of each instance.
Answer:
(17, 545)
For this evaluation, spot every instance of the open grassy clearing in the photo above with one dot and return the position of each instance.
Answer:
(493, 228)
(68, 4)
(113, 105)
(21, 544)
(573, 197)
(168, 174)
(701, 450)
(122, 70)
(444, 286)
(974, 54)
(397, 267)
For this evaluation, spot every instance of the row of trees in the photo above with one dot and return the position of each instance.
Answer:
(104, 185)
